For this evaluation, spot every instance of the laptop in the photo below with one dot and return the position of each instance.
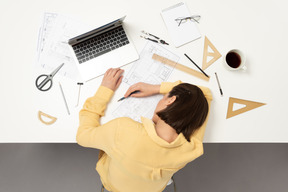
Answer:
(105, 47)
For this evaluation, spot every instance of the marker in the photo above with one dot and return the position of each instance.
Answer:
(128, 95)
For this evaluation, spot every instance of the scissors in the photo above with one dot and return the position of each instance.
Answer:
(48, 79)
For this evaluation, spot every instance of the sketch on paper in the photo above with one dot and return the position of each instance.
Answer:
(149, 71)
(53, 48)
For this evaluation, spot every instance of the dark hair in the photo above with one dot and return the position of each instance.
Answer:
(188, 112)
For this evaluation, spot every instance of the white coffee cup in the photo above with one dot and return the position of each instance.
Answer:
(234, 60)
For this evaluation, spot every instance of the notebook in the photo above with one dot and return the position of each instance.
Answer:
(184, 33)
(105, 47)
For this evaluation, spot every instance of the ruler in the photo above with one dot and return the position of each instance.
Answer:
(180, 67)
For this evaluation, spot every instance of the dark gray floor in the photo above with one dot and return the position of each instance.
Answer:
(71, 168)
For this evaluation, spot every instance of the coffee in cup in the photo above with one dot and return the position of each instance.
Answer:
(234, 60)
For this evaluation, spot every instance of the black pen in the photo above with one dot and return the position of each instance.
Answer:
(196, 65)
(128, 95)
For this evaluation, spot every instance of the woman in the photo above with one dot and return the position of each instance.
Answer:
(144, 156)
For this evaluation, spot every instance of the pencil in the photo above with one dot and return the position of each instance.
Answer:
(64, 98)
(196, 65)
(128, 95)
(221, 92)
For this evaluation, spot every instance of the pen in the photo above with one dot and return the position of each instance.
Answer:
(196, 65)
(219, 84)
(128, 95)
(64, 98)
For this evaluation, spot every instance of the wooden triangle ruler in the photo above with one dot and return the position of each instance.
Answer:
(52, 119)
(216, 55)
(249, 106)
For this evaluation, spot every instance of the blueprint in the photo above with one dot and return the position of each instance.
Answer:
(149, 71)
(53, 48)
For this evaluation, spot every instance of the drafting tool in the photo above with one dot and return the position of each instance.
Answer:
(180, 67)
(47, 79)
(215, 54)
(128, 95)
(196, 65)
(64, 98)
(249, 106)
(221, 92)
(79, 93)
(156, 40)
(52, 119)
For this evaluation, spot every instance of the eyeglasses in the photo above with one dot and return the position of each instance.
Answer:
(194, 18)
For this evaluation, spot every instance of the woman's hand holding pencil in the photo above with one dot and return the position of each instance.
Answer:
(143, 90)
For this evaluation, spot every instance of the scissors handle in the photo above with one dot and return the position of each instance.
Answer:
(40, 85)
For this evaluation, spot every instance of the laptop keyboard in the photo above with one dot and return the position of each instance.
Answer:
(100, 44)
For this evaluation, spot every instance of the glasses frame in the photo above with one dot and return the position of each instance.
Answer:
(194, 18)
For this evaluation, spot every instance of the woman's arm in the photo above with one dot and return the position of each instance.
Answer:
(90, 133)
(146, 89)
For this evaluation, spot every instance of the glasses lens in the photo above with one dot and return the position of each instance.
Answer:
(184, 19)
(195, 18)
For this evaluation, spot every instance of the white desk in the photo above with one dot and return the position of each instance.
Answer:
(257, 27)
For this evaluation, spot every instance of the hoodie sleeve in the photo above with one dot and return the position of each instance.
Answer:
(166, 87)
(90, 133)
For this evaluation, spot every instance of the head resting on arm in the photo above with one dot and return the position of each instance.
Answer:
(188, 111)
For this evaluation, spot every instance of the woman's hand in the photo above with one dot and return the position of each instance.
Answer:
(112, 78)
(144, 89)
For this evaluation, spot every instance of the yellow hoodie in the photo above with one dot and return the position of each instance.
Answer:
(133, 158)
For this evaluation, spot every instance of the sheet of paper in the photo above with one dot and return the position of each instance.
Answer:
(53, 48)
(45, 31)
(149, 71)
(184, 33)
